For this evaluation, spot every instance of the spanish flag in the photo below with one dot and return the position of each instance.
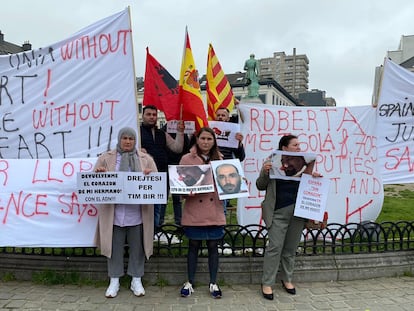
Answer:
(189, 89)
(219, 93)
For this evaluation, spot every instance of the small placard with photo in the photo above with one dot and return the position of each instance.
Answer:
(229, 179)
(189, 127)
(291, 165)
(186, 179)
(225, 133)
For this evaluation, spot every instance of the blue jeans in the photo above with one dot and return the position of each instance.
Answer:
(159, 214)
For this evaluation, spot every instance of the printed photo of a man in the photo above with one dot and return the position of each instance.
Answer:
(185, 179)
(288, 165)
(229, 179)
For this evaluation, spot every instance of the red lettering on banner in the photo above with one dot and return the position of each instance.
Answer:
(23, 204)
(365, 186)
(356, 211)
(72, 113)
(85, 166)
(400, 157)
(297, 122)
(336, 181)
(263, 142)
(86, 47)
(284, 121)
(252, 165)
(312, 123)
(39, 203)
(348, 117)
(47, 178)
(29, 205)
(43, 174)
(316, 142)
(4, 166)
(73, 207)
(48, 82)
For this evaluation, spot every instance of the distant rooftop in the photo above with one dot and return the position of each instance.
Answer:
(11, 48)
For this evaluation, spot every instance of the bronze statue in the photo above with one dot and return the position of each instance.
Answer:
(252, 68)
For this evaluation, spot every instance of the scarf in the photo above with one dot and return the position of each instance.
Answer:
(129, 159)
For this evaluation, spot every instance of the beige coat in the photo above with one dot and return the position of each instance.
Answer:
(103, 236)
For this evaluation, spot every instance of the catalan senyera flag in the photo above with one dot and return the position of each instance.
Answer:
(219, 93)
(160, 89)
(189, 89)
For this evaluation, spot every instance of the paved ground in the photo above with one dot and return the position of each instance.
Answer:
(376, 294)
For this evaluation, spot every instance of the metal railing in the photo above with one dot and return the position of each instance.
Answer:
(250, 240)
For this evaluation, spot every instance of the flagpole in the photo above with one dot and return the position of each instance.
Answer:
(179, 83)
(378, 92)
(138, 142)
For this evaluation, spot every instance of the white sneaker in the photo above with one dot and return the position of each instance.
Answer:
(215, 291)
(137, 288)
(113, 288)
(187, 289)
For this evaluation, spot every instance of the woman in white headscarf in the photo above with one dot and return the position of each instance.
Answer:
(120, 222)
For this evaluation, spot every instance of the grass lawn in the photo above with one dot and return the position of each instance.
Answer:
(398, 204)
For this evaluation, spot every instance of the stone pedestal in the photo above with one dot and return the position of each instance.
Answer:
(250, 100)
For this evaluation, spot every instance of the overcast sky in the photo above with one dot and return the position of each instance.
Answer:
(344, 40)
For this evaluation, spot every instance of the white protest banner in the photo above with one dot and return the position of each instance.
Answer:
(122, 188)
(69, 99)
(64, 104)
(395, 124)
(344, 142)
(312, 197)
(225, 133)
(39, 205)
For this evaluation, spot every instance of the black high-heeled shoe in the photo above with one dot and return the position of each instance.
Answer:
(291, 291)
(266, 296)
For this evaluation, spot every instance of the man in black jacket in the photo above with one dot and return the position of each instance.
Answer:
(223, 115)
(158, 143)
(174, 159)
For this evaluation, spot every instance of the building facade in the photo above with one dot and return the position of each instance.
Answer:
(316, 97)
(404, 52)
(290, 71)
(403, 56)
